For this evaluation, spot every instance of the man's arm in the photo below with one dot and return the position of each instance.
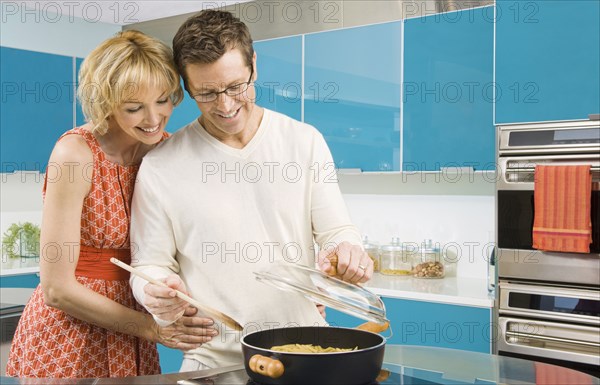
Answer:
(153, 251)
(337, 237)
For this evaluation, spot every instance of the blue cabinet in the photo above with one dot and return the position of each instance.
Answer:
(185, 113)
(20, 281)
(431, 324)
(448, 91)
(170, 359)
(352, 94)
(79, 117)
(547, 60)
(279, 70)
(37, 106)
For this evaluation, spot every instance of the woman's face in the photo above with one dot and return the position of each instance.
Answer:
(143, 115)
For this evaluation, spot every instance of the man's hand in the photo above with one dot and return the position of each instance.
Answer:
(162, 302)
(346, 261)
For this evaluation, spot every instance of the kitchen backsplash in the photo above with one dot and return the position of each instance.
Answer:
(463, 225)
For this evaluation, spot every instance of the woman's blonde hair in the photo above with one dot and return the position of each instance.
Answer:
(118, 69)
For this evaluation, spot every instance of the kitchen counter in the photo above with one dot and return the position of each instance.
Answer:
(465, 291)
(407, 364)
(451, 290)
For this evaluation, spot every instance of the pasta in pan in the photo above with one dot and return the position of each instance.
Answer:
(301, 348)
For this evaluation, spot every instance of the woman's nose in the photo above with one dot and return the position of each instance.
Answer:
(153, 116)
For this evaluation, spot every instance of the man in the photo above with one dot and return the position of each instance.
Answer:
(232, 193)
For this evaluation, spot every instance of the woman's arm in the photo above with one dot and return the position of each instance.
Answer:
(68, 183)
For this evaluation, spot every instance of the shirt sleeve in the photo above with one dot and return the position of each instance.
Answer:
(152, 241)
(330, 219)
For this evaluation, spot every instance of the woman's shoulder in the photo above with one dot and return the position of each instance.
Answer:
(72, 148)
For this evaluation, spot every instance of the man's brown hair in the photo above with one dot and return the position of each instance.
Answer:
(205, 37)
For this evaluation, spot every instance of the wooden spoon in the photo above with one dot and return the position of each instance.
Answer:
(205, 309)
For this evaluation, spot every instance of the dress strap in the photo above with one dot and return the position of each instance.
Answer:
(95, 263)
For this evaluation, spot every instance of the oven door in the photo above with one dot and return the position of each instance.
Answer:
(569, 345)
(552, 303)
(515, 213)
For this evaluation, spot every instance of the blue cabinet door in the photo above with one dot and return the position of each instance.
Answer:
(79, 117)
(20, 281)
(184, 113)
(352, 94)
(37, 106)
(547, 60)
(448, 91)
(170, 359)
(431, 324)
(279, 70)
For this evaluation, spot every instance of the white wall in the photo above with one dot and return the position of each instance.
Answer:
(40, 29)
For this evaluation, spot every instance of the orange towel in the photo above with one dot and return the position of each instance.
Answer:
(563, 199)
(546, 374)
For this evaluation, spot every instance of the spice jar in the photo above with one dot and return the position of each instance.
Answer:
(428, 262)
(372, 249)
(393, 259)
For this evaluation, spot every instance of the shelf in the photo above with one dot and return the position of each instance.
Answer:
(446, 182)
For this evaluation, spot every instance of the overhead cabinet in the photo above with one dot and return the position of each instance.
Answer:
(448, 91)
(413, 95)
(352, 94)
(38, 96)
(279, 70)
(547, 60)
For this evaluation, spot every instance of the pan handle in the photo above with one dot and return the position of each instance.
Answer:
(266, 366)
(375, 327)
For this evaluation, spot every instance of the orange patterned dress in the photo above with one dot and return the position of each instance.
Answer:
(50, 343)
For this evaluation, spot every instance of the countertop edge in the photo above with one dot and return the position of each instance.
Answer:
(20, 271)
(487, 303)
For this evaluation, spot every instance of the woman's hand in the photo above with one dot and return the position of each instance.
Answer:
(187, 333)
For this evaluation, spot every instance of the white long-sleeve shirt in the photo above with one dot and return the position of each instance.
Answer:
(215, 214)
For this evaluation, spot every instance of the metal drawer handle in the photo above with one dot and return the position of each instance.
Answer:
(532, 169)
(554, 339)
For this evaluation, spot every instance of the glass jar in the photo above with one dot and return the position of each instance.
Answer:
(372, 249)
(428, 262)
(393, 259)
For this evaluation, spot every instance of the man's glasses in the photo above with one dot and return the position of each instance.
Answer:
(233, 90)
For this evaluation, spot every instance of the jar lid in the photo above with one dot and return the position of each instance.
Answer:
(324, 289)
(429, 247)
(367, 244)
(395, 245)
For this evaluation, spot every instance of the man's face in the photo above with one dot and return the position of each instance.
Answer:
(227, 117)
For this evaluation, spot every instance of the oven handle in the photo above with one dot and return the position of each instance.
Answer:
(532, 169)
(554, 339)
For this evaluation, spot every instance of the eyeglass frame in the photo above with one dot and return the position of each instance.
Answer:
(217, 93)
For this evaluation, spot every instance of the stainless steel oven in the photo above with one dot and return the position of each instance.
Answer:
(548, 302)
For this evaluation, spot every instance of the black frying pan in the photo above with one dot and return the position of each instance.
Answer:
(358, 367)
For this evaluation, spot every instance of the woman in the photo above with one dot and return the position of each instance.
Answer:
(82, 321)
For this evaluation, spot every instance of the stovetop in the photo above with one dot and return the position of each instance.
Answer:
(240, 377)
(398, 376)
